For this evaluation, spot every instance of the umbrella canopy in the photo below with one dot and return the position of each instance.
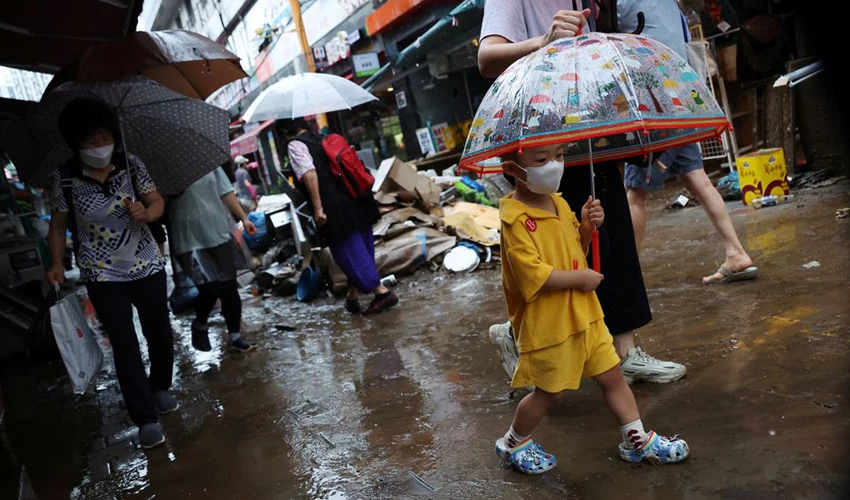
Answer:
(306, 94)
(179, 139)
(183, 61)
(607, 95)
(45, 35)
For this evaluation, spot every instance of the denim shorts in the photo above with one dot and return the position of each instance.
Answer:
(677, 161)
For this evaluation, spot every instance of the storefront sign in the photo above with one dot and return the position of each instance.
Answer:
(349, 6)
(338, 48)
(353, 37)
(401, 100)
(263, 63)
(243, 147)
(320, 58)
(366, 64)
(440, 131)
(426, 145)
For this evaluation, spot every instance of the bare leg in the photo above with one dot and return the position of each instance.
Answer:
(381, 290)
(618, 396)
(532, 409)
(700, 185)
(623, 342)
(637, 206)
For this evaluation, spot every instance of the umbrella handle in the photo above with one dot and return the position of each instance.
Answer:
(594, 243)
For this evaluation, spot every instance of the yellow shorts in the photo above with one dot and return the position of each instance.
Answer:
(562, 366)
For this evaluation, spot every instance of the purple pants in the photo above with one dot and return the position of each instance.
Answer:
(356, 257)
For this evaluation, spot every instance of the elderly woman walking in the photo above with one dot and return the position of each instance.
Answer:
(106, 199)
(344, 222)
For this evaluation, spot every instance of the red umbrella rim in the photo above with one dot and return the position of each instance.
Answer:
(713, 127)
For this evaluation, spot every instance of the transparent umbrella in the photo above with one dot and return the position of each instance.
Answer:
(605, 96)
(305, 95)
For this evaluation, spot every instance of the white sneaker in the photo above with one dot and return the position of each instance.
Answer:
(501, 338)
(640, 366)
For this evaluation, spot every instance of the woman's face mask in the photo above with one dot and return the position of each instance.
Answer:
(97, 157)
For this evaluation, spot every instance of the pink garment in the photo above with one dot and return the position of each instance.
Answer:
(300, 159)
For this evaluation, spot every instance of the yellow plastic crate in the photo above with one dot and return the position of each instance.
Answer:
(763, 173)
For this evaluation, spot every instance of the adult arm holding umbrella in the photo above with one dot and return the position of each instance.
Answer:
(497, 52)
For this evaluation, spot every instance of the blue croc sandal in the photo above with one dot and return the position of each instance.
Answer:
(658, 450)
(528, 457)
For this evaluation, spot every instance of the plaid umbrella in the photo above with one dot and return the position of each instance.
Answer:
(179, 139)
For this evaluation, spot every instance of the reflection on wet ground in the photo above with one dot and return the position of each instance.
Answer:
(409, 403)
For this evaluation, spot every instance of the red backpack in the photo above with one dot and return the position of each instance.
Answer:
(346, 165)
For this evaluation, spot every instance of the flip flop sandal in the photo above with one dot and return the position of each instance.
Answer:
(729, 276)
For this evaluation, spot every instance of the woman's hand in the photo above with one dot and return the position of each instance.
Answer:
(138, 212)
(56, 275)
(565, 24)
(320, 217)
(249, 226)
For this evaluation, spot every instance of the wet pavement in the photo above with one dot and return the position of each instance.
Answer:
(408, 404)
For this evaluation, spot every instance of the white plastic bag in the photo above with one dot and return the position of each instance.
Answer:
(701, 59)
(75, 339)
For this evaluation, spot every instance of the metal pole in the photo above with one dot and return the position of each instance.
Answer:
(592, 173)
(594, 236)
(127, 157)
(295, 5)
(468, 96)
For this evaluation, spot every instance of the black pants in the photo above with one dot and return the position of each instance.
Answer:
(114, 305)
(231, 303)
(622, 294)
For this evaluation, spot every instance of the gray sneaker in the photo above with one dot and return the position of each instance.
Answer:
(165, 402)
(640, 366)
(150, 436)
(503, 340)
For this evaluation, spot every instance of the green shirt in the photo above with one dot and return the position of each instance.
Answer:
(198, 218)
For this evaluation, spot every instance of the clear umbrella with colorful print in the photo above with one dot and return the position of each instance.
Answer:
(604, 96)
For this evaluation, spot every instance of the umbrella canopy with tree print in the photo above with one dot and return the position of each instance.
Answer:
(609, 95)
(605, 96)
(183, 61)
(179, 139)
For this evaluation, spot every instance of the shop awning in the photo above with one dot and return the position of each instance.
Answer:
(45, 35)
(392, 12)
(433, 36)
(247, 142)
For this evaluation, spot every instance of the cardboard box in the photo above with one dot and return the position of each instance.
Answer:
(395, 175)
(762, 173)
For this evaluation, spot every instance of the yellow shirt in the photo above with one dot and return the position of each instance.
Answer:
(536, 242)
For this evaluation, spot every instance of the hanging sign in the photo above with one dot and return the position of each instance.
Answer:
(366, 64)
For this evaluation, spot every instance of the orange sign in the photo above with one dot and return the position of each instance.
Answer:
(391, 12)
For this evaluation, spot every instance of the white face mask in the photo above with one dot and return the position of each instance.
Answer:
(545, 179)
(97, 157)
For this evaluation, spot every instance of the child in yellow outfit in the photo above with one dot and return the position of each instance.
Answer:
(552, 304)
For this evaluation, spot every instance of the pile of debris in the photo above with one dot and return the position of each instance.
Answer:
(427, 220)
